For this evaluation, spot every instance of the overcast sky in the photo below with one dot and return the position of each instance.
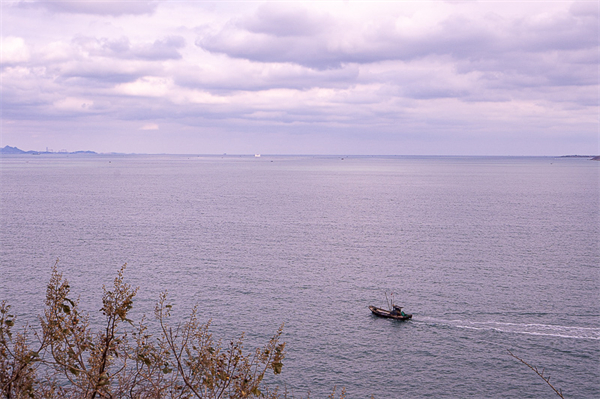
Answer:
(299, 77)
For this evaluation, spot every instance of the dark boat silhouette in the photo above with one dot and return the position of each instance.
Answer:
(396, 313)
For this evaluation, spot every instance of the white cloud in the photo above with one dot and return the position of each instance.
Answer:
(74, 104)
(149, 126)
(147, 86)
(14, 50)
(57, 51)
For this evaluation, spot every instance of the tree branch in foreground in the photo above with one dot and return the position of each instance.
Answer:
(541, 374)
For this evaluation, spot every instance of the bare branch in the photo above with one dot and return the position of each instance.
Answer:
(541, 374)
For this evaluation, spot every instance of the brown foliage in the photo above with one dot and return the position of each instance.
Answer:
(66, 358)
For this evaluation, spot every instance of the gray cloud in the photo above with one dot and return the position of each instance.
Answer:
(256, 77)
(374, 78)
(114, 8)
(485, 58)
(96, 76)
(332, 45)
(162, 49)
(585, 8)
(285, 20)
(328, 45)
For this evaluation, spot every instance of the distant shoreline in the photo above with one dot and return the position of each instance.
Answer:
(16, 151)
(8, 150)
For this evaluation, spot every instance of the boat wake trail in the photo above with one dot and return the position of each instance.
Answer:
(520, 328)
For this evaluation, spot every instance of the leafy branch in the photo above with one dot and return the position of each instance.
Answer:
(123, 359)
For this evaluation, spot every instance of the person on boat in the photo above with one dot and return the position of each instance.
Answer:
(397, 311)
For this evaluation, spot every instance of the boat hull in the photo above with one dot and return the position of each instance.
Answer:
(389, 315)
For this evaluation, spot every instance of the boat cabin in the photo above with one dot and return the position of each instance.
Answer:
(398, 311)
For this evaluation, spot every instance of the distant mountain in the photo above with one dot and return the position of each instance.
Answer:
(11, 150)
(14, 150)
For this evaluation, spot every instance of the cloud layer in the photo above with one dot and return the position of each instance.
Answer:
(279, 77)
(95, 7)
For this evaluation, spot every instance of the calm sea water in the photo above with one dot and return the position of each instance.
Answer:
(489, 254)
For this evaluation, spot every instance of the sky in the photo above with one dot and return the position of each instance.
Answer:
(301, 77)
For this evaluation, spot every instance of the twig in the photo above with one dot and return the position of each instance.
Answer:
(541, 374)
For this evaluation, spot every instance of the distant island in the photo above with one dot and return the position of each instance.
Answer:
(14, 150)
(592, 157)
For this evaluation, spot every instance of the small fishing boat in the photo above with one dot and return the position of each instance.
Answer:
(396, 313)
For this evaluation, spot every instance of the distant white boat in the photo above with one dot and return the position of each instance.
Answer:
(257, 155)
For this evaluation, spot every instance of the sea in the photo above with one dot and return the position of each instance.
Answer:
(489, 254)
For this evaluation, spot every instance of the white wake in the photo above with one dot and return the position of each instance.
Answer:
(521, 328)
